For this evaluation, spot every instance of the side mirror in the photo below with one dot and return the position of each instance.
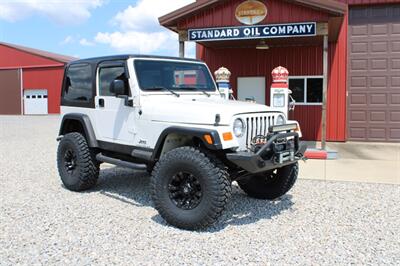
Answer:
(117, 87)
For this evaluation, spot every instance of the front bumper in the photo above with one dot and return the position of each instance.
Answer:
(280, 150)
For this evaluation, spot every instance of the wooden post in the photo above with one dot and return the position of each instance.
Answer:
(324, 91)
(182, 39)
(181, 49)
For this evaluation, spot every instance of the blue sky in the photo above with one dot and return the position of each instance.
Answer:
(86, 28)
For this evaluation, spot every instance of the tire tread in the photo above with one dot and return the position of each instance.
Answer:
(88, 165)
(221, 186)
(257, 188)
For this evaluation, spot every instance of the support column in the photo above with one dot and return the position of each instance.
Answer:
(181, 49)
(324, 91)
(182, 39)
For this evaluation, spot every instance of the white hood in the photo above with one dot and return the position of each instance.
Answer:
(198, 110)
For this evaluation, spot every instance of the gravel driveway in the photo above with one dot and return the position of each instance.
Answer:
(43, 223)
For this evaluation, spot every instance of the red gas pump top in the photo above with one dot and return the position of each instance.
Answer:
(280, 77)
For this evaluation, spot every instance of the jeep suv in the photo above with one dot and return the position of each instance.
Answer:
(167, 116)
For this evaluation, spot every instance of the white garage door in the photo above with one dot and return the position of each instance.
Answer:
(35, 102)
(251, 88)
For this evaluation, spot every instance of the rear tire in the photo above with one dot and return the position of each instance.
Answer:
(77, 165)
(188, 190)
(270, 185)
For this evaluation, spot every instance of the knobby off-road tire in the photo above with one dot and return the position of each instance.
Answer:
(76, 163)
(192, 206)
(271, 185)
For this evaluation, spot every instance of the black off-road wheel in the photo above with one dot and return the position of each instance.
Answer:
(76, 163)
(188, 190)
(270, 185)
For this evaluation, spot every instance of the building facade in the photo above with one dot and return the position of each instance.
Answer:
(343, 58)
(30, 80)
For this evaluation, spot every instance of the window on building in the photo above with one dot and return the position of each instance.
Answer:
(79, 83)
(306, 90)
(108, 75)
(297, 87)
(189, 78)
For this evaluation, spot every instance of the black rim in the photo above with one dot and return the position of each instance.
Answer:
(185, 191)
(69, 161)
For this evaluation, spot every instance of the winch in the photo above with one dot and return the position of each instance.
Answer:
(281, 149)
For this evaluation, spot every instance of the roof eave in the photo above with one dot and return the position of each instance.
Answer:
(331, 6)
(184, 11)
(63, 59)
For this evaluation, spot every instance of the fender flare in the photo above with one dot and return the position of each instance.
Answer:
(191, 132)
(84, 120)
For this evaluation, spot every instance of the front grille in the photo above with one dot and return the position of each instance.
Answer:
(258, 125)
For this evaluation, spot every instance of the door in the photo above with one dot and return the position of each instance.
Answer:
(251, 88)
(114, 120)
(374, 73)
(10, 92)
(35, 102)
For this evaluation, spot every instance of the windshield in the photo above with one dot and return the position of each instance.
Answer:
(177, 76)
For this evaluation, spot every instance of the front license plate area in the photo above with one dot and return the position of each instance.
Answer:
(284, 156)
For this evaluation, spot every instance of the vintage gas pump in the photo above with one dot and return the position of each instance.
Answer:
(281, 98)
(222, 76)
(280, 94)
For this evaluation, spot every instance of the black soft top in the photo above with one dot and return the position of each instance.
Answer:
(96, 60)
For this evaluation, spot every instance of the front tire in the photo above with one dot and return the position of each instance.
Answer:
(188, 190)
(270, 185)
(76, 163)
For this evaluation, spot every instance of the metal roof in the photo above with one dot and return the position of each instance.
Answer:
(52, 56)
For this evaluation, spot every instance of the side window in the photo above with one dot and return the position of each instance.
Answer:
(307, 90)
(297, 87)
(108, 75)
(314, 90)
(79, 83)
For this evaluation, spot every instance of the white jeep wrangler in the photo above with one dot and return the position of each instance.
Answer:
(167, 116)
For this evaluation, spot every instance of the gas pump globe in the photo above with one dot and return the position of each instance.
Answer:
(222, 76)
(280, 93)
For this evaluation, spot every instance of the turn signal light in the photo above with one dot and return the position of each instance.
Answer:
(227, 136)
(208, 139)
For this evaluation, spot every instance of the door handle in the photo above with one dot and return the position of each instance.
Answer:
(101, 102)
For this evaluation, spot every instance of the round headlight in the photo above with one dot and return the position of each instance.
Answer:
(280, 120)
(238, 127)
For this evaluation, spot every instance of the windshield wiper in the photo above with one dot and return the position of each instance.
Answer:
(206, 93)
(164, 89)
(197, 89)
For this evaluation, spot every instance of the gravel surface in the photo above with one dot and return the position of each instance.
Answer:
(319, 223)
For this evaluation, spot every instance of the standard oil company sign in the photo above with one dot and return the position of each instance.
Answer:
(249, 13)
(253, 32)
